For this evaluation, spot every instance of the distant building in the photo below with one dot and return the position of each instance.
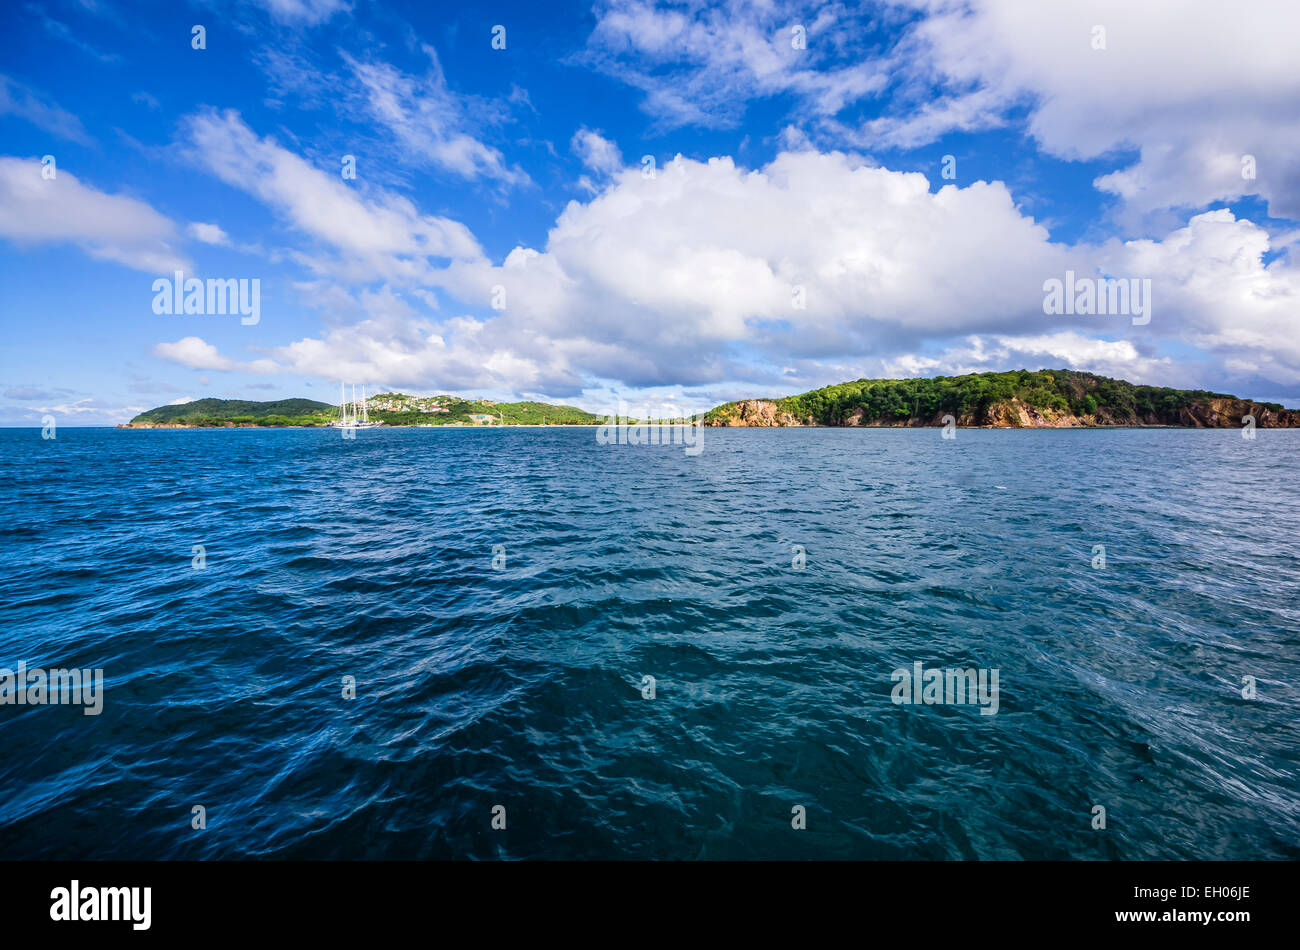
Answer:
(480, 417)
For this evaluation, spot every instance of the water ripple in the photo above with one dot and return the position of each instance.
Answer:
(522, 686)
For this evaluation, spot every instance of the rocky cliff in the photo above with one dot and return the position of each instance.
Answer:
(1024, 399)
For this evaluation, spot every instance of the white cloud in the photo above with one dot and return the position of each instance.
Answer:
(596, 152)
(659, 281)
(372, 233)
(656, 280)
(37, 210)
(304, 12)
(1193, 84)
(207, 233)
(968, 112)
(87, 411)
(196, 353)
(699, 63)
(1119, 359)
(429, 120)
(690, 280)
(394, 343)
(1211, 282)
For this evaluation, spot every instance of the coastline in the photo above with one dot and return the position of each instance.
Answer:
(597, 425)
(521, 425)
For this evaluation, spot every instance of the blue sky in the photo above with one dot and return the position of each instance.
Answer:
(503, 235)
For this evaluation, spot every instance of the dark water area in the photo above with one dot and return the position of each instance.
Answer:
(521, 683)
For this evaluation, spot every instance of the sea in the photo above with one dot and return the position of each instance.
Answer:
(477, 643)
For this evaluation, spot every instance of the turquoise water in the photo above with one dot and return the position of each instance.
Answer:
(523, 687)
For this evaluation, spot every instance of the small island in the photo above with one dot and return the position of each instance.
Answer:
(390, 409)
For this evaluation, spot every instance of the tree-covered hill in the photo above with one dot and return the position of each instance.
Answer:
(1020, 398)
(462, 412)
(239, 412)
(1045, 398)
(405, 411)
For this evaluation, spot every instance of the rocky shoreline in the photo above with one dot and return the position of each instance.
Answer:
(1014, 414)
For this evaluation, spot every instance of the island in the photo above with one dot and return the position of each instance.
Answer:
(390, 409)
(1017, 399)
(1058, 398)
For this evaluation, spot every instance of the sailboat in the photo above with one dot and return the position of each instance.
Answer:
(359, 415)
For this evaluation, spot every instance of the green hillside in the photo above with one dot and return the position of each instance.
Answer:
(239, 412)
(460, 412)
(1020, 398)
(404, 411)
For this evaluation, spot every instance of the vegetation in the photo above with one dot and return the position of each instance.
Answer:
(460, 412)
(978, 395)
(308, 412)
(976, 399)
(240, 412)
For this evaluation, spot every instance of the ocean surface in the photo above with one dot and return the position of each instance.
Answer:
(520, 683)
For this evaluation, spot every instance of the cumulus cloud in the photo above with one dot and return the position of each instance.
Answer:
(1220, 295)
(193, 352)
(803, 272)
(393, 341)
(196, 353)
(658, 281)
(62, 209)
(1199, 90)
(1192, 85)
(1120, 359)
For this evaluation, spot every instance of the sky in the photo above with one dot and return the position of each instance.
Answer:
(669, 204)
